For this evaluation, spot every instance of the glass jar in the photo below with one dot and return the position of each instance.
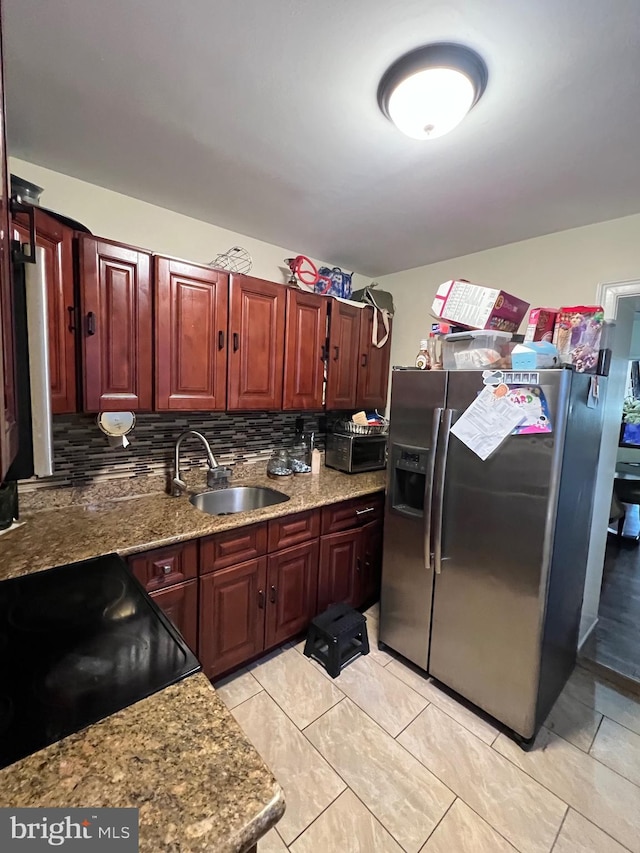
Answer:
(279, 464)
(300, 459)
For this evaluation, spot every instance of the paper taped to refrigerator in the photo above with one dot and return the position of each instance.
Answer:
(488, 421)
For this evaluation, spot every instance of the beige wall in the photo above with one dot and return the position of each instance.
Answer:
(559, 269)
(129, 220)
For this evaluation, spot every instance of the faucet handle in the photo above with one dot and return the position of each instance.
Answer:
(178, 486)
(219, 476)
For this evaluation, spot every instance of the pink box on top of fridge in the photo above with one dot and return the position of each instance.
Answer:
(477, 307)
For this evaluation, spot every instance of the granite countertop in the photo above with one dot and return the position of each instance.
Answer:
(179, 756)
(54, 537)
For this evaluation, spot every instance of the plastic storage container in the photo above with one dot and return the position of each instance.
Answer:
(477, 350)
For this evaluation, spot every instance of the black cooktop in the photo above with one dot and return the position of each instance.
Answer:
(78, 643)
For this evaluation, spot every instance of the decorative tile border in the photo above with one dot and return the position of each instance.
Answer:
(82, 455)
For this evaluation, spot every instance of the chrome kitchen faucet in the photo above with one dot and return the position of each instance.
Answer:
(216, 474)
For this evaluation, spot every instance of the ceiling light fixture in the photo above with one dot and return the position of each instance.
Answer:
(428, 91)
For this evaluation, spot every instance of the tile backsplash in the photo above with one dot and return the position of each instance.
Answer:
(83, 456)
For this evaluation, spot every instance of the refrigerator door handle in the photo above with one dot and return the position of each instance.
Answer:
(428, 488)
(39, 365)
(439, 483)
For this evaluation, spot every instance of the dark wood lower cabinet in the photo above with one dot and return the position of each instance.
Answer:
(292, 583)
(234, 612)
(370, 567)
(180, 603)
(232, 615)
(337, 575)
(350, 566)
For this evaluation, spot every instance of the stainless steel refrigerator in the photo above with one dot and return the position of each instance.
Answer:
(484, 561)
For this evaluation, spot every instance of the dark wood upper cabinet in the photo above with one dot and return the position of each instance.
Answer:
(256, 344)
(304, 350)
(292, 586)
(232, 615)
(115, 293)
(342, 366)
(56, 240)
(373, 368)
(191, 336)
(8, 402)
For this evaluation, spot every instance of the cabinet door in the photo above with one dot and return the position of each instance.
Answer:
(191, 329)
(292, 587)
(57, 242)
(180, 603)
(369, 566)
(8, 403)
(373, 367)
(342, 366)
(232, 603)
(304, 350)
(339, 553)
(115, 292)
(256, 344)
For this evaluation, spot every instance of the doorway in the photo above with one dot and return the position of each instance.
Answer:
(611, 607)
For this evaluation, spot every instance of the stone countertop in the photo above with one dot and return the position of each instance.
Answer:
(54, 537)
(178, 756)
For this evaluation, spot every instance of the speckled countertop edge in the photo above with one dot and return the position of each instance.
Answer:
(54, 537)
(179, 756)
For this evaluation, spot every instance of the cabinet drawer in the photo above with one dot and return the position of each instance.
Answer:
(352, 513)
(165, 567)
(233, 546)
(293, 529)
(180, 604)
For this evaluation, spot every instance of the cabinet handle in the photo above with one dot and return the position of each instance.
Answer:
(337, 349)
(365, 511)
(220, 339)
(261, 599)
(91, 323)
(365, 359)
(358, 566)
(272, 596)
(236, 341)
(72, 318)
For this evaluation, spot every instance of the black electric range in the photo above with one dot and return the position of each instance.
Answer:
(78, 643)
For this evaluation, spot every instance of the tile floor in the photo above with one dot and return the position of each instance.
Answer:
(381, 760)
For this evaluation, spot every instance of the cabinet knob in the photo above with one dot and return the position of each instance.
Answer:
(166, 569)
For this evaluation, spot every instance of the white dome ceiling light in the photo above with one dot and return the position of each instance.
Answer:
(428, 91)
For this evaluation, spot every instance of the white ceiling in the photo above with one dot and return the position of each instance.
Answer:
(261, 116)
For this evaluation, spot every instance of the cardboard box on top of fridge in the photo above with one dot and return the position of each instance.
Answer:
(534, 355)
(542, 322)
(477, 307)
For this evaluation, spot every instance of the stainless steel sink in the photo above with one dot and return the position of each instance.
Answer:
(237, 499)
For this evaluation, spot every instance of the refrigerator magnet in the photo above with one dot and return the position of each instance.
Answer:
(533, 403)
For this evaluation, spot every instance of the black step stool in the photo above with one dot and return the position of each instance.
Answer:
(336, 637)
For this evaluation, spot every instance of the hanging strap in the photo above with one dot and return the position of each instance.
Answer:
(384, 314)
